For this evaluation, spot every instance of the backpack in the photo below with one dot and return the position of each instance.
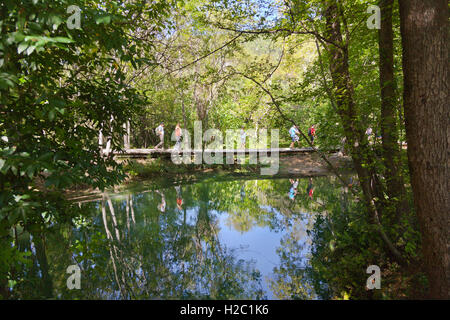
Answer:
(309, 132)
(292, 132)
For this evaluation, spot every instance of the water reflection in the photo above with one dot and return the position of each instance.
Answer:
(220, 240)
(310, 189)
(293, 189)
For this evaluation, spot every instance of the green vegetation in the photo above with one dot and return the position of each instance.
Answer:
(68, 93)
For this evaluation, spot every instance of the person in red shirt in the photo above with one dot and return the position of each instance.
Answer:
(312, 133)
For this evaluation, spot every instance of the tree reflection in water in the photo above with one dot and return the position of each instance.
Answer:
(128, 248)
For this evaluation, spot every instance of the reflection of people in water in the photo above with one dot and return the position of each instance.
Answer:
(293, 190)
(242, 192)
(179, 198)
(162, 205)
(310, 189)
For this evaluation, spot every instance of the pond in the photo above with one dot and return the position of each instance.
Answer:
(239, 239)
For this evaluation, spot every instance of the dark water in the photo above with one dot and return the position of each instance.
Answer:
(242, 239)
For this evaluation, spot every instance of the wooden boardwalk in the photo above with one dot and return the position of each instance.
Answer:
(163, 153)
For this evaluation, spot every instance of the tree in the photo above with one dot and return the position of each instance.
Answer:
(347, 110)
(424, 29)
(59, 87)
(395, 185)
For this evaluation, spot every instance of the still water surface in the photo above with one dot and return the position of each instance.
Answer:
(242, 239)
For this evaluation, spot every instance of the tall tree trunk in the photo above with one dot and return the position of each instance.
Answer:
(126, 137)
(391, 153)
(424, 30)
(346, 108)
(41, 255)
(183, 110)
(129, 133)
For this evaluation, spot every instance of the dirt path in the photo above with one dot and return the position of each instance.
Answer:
(312, 164)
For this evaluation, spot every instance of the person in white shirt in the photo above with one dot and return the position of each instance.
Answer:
(160, 132)
(293, 132)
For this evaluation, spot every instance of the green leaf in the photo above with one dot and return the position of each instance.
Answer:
(30, 172)
(62, 40)
(104, 19)
(46, 157)
(5, 168)
(51, 115)
(30, 50)
(22, 47)
(18, 36)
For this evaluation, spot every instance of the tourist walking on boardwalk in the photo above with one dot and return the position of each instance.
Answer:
(293, 132)
(178, 134)
(312, 134)
(160, 132)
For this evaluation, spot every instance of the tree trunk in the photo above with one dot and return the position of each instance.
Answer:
(346, 108)
(183, 110)
(424, 30)
(129, 133)
(391, 151)
(126, 137)
(41, 255)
